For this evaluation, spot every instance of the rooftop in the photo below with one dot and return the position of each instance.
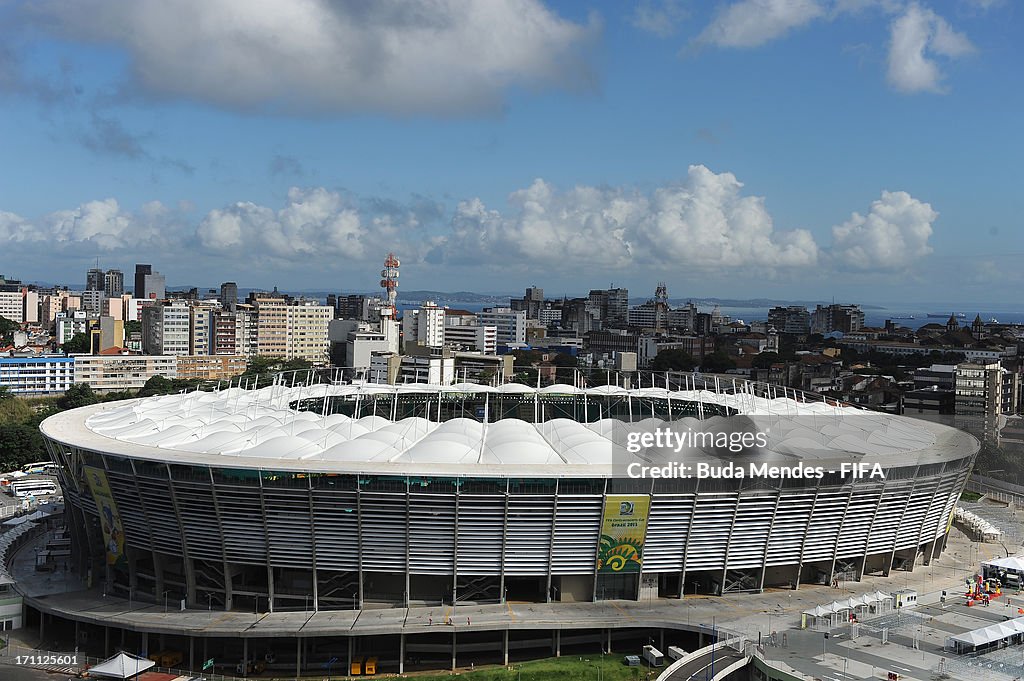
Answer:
(266, 429)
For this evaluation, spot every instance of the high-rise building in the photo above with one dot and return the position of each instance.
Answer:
(93, 299)
(510, 325)
(531, 303)
(835, 317)
(113, 283)
(94, 280)
(271, 316)
(149, 284)
(200, 328)
(229, 295)
(613, 304)
(308, 322)
(166, 328)
(424, 325)
(792, 319)
(140, 279)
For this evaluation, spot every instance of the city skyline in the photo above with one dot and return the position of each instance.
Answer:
(607, 143)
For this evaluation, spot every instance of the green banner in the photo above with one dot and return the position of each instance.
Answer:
(110, 521)
(622, 533)
(208, 664)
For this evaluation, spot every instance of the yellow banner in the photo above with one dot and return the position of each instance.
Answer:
(110, 521)
(622, 533)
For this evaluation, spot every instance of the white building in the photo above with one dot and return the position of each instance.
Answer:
(480, 338)
(361, 340)
(424, 325)
(510, 325)
(166, 328)
(307, 331)
(20, 306)
(67, 324)
(395, 369)
(104, 373)
(43, 375)
(93, 300)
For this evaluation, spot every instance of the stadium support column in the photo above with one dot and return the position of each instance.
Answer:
(408, 538)
(401, 653)
(312, 536)
(807, 531)
(190, 582)
(504, 647)
(350, 642)
(839, 534)
(106, 641)
(158, 574)
(764, 554)
(228, 595)
(245, 653)
(298, 657)
(454, 641)
(191, 653)
(896, 534)
(871, 528)
(504, 543)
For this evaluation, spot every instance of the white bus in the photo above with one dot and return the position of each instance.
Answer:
(35, 488)
(39, 467)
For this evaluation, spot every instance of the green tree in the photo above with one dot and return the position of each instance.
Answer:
(78, 395)
(765, 360)
(157, 385)
(7, 329)
(717, 362)
(132, 326)
(20, 443)
(673, 360)
(78, 343)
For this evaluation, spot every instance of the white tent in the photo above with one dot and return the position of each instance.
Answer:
(969, 641)
(18, 520)
(122, 666)
(1015, 563)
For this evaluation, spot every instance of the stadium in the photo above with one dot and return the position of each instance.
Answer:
(347, 495)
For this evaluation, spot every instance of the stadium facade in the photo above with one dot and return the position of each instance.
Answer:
(341, 496)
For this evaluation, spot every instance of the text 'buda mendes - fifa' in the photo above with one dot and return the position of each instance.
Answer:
(345, 495)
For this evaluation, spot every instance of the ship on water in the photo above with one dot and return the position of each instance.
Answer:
(958, 315)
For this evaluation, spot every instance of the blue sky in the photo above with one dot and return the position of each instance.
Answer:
(867, 150)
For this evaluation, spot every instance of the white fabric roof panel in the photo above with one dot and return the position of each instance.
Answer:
(262, 423)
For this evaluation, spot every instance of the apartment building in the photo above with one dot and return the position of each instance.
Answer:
(166, 328)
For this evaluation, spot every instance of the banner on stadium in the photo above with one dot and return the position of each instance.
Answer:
(110, 521)
(622, 533)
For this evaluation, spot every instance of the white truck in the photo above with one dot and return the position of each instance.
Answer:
(653, 656)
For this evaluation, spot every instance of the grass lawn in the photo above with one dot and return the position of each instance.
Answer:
(567, 668)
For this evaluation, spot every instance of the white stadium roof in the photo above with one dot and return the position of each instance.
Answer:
(259, 428)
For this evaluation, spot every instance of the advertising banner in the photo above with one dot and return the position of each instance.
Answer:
(622, 533)
(110, 521)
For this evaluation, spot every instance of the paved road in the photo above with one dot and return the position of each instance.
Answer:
(707, 665)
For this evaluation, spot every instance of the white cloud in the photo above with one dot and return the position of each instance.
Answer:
(916, 37)
(14, 228)
(313, 222)
(891, 236)
(311, 56)
(660, 17)
(702, 222)
(751, 23)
